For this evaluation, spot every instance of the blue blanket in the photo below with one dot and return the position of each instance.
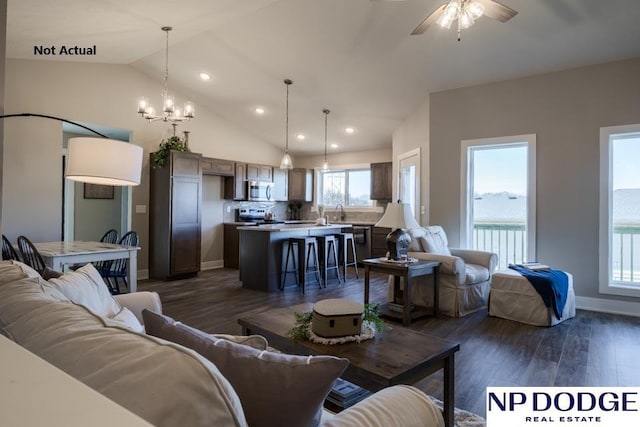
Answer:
(552, 285)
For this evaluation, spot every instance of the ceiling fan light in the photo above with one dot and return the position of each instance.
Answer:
(475, 9)
(465, 19)
(452, 9)
(445, 21)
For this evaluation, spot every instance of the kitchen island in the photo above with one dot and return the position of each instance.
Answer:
(264, 247)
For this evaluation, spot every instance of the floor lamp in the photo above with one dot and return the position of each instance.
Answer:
(98, 160)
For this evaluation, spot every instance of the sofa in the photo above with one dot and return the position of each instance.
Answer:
(73, 323)
(464, 275)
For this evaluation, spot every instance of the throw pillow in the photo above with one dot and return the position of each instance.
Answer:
(435, 243)
(129, 320)
(274, 388)
(86, 287)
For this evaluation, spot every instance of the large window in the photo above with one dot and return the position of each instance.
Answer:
(620, 210)
(348, 187)
(498, 209)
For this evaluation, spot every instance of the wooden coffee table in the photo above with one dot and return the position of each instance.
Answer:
(398, 356)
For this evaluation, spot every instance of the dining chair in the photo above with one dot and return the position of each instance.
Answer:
(110, 236)
(117, 269)
(8, 251)
(30, 254)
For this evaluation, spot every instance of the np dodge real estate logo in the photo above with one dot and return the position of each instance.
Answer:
(563, 406)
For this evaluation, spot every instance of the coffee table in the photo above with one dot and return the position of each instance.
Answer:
(398, 356)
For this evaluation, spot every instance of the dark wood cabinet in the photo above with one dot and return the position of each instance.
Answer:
(259, 173)
(235, 187)
(301, 185)
(280, 185)
(381, 181)
(175, 216)
(379, 241)
(217, 167)
(231, 250)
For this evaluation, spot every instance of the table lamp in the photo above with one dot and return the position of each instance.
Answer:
(399, 217)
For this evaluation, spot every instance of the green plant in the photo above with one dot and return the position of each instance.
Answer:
(300, 331)
(172, 143)
(371, 315)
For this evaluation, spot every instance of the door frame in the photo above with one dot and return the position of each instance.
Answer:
(416, 152)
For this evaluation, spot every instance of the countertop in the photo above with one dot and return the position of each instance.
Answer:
(308, 222)
(293, 227)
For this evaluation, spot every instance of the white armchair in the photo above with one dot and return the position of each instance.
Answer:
(465, 275)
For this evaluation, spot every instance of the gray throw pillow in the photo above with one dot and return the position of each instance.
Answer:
(275, 389)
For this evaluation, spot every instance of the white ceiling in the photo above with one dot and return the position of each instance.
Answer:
(354, 57)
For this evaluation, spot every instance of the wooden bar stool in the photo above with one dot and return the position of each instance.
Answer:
(343, 251)
(329, 257)
(307, 251)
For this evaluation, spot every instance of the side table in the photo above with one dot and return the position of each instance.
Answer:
(408, 271)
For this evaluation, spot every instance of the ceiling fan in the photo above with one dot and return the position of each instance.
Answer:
(465, 12)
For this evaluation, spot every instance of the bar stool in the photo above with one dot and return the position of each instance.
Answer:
(343, 250)
(329, 252)
(306, 247)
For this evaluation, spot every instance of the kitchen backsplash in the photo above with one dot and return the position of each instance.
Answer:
(281, 211)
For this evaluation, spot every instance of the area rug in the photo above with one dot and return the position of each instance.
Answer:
(462, 418)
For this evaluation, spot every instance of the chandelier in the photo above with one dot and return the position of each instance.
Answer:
(464, 11)
(170, 113)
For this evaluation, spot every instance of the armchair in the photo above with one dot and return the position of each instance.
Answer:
(465, 274)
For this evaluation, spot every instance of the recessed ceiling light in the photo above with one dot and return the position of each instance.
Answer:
(205, 77)
(334, 145)
(349, 130)
(301, 137)
(259, 111)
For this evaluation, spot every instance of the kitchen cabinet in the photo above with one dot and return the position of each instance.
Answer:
(231, 246)
(175, 204)
(381, 181)
(217, 167)
(301, 185)
(235, 187)
(379, 241)
(280, 185)
(259, 173)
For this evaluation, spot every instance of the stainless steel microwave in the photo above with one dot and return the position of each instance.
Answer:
(260, 191)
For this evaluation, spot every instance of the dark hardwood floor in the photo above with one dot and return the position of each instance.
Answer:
(592, 349)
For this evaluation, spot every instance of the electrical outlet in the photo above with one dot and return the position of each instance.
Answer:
(141, 209)
(422, 210)
(228, 209)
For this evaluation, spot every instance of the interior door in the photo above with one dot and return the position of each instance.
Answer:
(409, 181)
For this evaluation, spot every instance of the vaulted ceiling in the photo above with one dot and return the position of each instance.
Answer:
(354, 57)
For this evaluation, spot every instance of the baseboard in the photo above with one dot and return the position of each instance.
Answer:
(626, 308)
(143, 274)
(211, 265)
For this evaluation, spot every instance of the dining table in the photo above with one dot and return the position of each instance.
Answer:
(58, 254)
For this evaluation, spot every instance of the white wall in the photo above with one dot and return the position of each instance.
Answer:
(566, 111)
(341, 159)
(95, 93)
(412, 134)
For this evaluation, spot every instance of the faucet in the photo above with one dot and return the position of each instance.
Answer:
(342, 214)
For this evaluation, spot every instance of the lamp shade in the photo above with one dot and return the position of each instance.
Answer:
(103, 161)
(398, 215)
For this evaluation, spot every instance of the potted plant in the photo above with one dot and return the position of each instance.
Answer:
(166, 145)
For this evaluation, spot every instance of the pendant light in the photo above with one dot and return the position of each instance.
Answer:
(286, 162)
(325, 165)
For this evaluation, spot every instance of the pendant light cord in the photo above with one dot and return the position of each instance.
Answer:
(287, 82)
(166, 64)
(326, 114)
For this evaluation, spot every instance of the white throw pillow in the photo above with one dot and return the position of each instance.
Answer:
(30, 272)
(129, 320)
(86, 287)
(435, 242)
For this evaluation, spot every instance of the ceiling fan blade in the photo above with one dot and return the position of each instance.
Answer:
(498, 11)
(420, 29)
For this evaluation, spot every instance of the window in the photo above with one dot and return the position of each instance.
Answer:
(498, 197)
(349, 187)
(620, 210)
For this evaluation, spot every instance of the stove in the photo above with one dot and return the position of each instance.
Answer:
(256, 215)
